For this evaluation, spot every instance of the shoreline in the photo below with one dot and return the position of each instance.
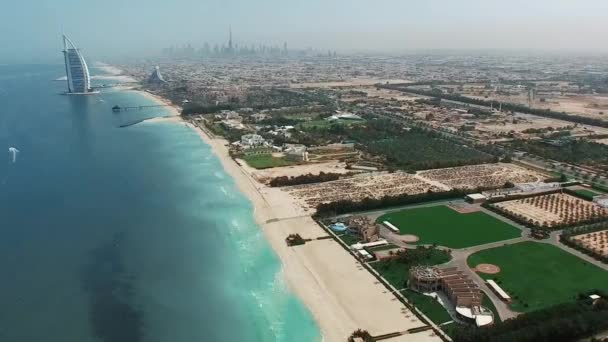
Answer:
(340, 295)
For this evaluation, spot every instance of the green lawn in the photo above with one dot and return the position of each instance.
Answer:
(395, 273)
(431, 308)
(450, 329)
(588, 194)
(266, 161)
(538, 275)
(349, 239)
(447, 227)
(382, 248)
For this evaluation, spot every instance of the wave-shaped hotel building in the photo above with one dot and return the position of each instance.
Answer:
(77, 71)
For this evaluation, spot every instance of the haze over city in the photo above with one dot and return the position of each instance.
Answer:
(136, 28)
(304, 171)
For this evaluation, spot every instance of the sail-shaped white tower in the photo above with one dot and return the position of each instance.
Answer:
(156, 76)
(77, 71)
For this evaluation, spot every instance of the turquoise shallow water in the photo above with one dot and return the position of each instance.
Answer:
(126, 234)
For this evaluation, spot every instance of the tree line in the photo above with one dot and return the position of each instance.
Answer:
(415, 148)
(305, 179)
(565, 322)
(349, 206)
(194, 108)
(567, 239)
(572, 151)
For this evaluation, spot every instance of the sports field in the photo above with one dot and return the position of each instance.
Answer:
(588, 194)
(449, 228)
(266, 161)
(538, 275)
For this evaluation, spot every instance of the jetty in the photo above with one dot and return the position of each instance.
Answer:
(118, 109)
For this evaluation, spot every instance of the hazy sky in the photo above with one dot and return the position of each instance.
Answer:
(30, 29)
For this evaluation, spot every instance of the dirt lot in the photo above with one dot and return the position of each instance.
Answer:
(592, 106)
(485, 175)
(265, 175)
(360, 187)
(377, 185)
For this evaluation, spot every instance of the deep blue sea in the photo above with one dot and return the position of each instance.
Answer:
(125, 234)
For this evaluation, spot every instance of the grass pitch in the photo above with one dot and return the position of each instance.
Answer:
(538, 275)
(396, 274)
(447, 227)
(266, 161)
(588, 194)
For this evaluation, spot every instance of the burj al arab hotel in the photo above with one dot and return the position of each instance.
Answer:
(76, 69)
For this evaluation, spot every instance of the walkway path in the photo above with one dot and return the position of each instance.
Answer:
(459, 259)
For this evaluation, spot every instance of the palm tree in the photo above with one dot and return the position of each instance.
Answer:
(364, 334)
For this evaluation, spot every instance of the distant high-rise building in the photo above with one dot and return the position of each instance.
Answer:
(156, 76)
(531, 97)
(76, 69)
(230, 39)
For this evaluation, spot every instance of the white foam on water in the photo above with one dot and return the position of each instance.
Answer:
(272, 299)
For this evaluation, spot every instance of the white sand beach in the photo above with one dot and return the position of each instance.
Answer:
(339, 292)
(341, 295)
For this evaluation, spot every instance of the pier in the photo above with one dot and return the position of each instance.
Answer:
(118, 109)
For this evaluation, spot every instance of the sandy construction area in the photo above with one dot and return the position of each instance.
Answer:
(359, 187)
(299, 170)
(590, 106)
(378, 185)
(530, 123)
(484, 175)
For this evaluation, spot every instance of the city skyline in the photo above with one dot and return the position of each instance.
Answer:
(393, 26)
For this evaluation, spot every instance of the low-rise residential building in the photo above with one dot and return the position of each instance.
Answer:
(296, 152)
(253, 141)
(364, 228)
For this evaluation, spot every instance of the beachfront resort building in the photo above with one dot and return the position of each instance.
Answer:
(253, 141)
(296, 152)
(77, 71)
(463, 293)
(156, 77)
(363, 228)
